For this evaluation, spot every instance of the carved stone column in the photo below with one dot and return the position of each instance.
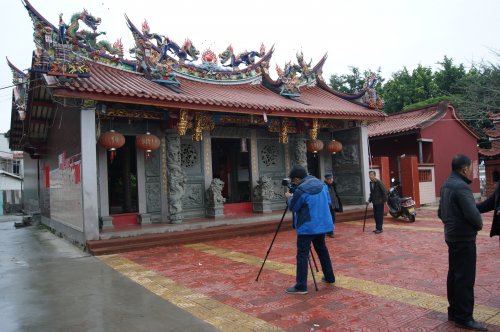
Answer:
(176, 178)
(299, 152)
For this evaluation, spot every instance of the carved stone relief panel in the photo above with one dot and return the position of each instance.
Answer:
(349, 185)
(193, 197)
(153, 196)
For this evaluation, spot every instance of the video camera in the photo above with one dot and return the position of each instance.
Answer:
(288, 183)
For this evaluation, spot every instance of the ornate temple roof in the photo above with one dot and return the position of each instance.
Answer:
(107, 83)
(68, 49)
(406, 122)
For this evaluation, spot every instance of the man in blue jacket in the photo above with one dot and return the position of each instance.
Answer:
(462, 221)
(310, 203)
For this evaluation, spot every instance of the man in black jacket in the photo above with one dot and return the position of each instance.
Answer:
(462, 221)
(378, 197)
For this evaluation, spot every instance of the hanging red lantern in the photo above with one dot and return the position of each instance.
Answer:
(111, 141)
(148, 143)
(333, 146)
(314, 145)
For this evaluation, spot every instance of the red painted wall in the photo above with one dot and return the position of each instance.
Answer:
(449, 139)
(409, 179)
(394, 147)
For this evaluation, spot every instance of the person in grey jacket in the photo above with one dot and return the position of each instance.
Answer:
(462, 221)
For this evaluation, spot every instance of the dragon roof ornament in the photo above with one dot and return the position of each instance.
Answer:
(161, 59)
(293, 76)
(65, 49)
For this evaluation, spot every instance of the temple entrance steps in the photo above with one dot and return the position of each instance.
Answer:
(125, 241)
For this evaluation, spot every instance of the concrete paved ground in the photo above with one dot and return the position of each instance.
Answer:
(394, 281)
(47, 284)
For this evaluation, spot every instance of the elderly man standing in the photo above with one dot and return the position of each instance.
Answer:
(462, 221)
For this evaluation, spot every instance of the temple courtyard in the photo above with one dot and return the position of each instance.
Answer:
(394, 281)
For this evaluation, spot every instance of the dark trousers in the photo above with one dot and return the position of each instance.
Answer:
(303, 248)
(378, 214)
(332, 212)
(461, 279)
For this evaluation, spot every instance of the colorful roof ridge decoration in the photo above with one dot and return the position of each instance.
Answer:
(405, 122)
(65, 50)
(160, 58)
(294, 76)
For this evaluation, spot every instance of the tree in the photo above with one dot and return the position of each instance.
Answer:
(479, 94)
(403, 89)
(448, 77)
(354, 82)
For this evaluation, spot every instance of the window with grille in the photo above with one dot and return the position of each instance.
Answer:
(425, 175)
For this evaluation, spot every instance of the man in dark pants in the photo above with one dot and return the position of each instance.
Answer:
(310, 202)
(336, 204)
(378, 197)
(462, 221)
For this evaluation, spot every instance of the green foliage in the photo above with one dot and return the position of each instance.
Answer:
(404, 89)
(449, 77)
(430, 101)
(354, 82)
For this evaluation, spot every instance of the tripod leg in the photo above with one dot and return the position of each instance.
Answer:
(313, 276)
(314, 260)
(270, 246)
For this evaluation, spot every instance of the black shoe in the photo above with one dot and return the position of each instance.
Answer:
(472, 325)
(327, 282)
(332, 235)
(293, 290)
(377, 231)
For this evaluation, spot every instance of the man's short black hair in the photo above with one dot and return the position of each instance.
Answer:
(460, 161)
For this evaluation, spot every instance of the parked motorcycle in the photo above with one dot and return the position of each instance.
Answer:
(400, 206)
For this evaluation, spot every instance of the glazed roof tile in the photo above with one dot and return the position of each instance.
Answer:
(108, 83)
(405, 122)
(494, 151)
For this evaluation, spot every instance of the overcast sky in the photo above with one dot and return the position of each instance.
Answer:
(367, 34)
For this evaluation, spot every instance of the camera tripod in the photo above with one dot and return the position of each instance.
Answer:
(271, 245)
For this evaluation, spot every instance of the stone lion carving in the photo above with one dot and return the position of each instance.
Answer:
(214, 193)
(264, 189)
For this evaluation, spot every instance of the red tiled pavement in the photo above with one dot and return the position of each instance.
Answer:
(412, 257)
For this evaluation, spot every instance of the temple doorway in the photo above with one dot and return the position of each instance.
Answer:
(230, 163)
(122, 184)
(313, 164)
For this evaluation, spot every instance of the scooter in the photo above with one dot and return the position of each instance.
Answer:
(400, 207)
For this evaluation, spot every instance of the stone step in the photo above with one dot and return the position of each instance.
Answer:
(141, 242)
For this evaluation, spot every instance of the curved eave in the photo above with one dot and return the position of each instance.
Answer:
(14, 68)
(345, 96)
(31, 9)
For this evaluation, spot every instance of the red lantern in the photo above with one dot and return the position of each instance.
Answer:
(148, 143)
(314, 145)
(111, 141)
(333, 146)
